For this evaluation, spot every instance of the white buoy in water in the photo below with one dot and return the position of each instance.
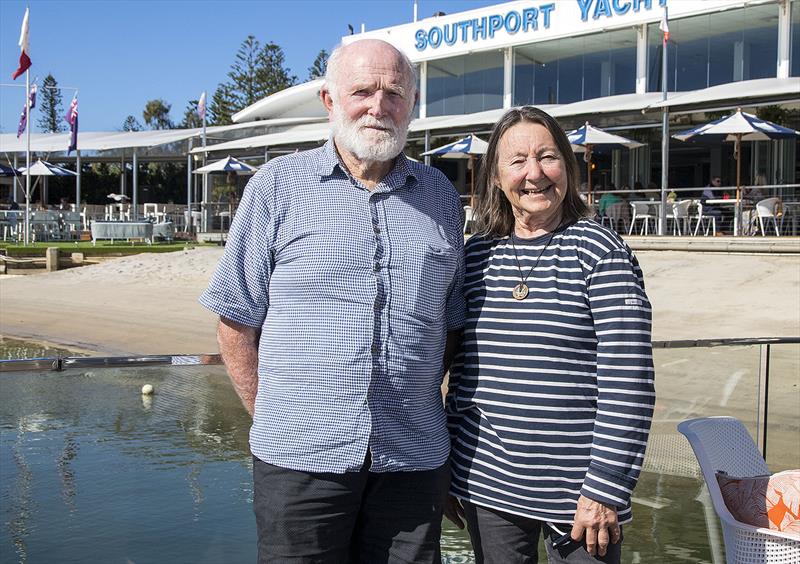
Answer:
(147, 390)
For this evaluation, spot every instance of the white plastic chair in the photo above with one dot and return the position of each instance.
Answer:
(706, 222)
(641, 212)
(723, 443)
(769, 209)
(617, 215)
(72, 222)
(469, 216)
(680, 217)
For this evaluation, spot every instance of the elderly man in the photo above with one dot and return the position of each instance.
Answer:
(339, 296)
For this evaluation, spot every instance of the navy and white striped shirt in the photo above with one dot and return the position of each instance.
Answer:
(552, 396)
(354, 292)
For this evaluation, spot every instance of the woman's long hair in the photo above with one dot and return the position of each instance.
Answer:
(493, 214)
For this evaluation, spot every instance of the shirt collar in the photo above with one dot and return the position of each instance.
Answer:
(402, 172)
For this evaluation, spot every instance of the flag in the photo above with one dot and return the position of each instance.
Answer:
(24, 58)
(72, 120)
(201, 106)
(23, 119)
(664, 25)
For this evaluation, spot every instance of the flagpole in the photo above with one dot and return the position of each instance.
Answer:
(662, 220)
(27, 158)
(205, 177)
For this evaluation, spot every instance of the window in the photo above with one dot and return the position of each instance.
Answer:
(465, 84)
(576, 68)
(715, 49)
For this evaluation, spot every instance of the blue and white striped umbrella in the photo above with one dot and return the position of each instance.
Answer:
(8, 170)
(228, 164)
(738, 127)
(44, 168)
(590, 136)
(461, 149)
(748, 126)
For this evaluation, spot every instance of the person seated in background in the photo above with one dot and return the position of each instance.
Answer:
(609, 198)
(708, 194)
(754, 192)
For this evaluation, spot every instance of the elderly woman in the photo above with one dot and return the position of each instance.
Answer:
(551, 399)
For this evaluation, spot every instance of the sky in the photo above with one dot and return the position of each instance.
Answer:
(119, 54)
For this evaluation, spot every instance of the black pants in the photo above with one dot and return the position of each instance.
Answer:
(350, 518)
(504, 538)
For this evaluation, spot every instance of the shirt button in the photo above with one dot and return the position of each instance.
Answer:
(375, 349)
(377, 306)
(377, 229)
(377, 267)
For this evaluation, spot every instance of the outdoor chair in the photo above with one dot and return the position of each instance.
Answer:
(617, 216)
(680, 217)
(72, 222)
(641, 212)
(469, 216)
(45, 225)
(771, 208)
(723, 444)
(705, 222)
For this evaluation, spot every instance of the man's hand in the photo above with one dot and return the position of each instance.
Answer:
(598, 522)
(454, 511)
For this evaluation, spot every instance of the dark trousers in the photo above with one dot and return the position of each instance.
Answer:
(504, 538)
(351, 518)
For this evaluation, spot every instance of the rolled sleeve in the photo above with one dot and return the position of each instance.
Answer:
(239, 288)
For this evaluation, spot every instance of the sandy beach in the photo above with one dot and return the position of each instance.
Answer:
(147, 304)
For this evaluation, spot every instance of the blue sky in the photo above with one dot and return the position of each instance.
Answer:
(121, 53)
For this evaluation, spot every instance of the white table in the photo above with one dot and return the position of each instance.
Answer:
(122, 230)
(737, 211)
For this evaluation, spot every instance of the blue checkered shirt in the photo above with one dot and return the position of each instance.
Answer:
(354, 292)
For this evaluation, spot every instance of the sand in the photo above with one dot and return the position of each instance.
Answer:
(147, 304)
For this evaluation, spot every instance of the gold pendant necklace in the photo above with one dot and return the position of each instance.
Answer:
(521, 290)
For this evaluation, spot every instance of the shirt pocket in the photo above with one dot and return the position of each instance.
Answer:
(427, 271)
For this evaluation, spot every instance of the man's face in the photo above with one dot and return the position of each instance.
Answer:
(371, 106)
(716, 181)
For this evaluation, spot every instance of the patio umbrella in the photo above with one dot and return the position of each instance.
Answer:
(465, 148)
(739, 127)
(44, 168)
(587, 138)
(8, 171)
(228, 164)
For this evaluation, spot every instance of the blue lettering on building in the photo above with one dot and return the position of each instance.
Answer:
(478, 29)
(526, 20)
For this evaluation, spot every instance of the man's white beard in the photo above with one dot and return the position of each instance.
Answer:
(369, 145)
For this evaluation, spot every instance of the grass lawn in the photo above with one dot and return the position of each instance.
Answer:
(103, 248)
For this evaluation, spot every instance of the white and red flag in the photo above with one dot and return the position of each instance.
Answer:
(24, 56)
(72, 120)
(664, 25)
(201, 106)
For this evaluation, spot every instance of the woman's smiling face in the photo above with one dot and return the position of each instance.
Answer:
(532, 175)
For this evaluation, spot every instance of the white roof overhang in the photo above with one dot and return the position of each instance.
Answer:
(742, 92)
(301, 100)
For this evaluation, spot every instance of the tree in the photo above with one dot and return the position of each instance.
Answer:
(317, 70)
(51, 112)
(256, 73)
(223, 105)
(131, 124)
(156, 114)
(190, 117)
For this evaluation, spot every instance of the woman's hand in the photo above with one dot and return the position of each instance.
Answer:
(598, 522)
(454, 511)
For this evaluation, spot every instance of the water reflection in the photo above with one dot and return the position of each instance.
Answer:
(90, 466)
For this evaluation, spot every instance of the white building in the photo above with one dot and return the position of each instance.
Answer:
(595, 60)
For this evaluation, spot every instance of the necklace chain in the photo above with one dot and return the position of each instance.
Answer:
(520, 291)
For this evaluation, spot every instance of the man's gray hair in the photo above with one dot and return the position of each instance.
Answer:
(334, 62)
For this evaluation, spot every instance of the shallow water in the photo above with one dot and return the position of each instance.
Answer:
(91, 470)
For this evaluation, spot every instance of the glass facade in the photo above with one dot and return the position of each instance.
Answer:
(575, 68)
(715, 49)
(465, 84)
